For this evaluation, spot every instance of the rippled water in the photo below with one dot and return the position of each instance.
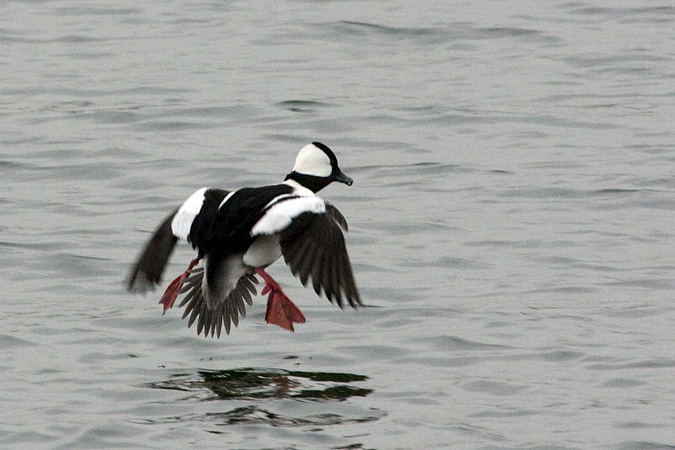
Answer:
(511, 222)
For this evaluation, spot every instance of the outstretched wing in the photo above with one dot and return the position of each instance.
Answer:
(147, 272)
(187, 222)
(314, 247)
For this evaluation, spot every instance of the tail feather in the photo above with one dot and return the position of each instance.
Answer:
(211, 313)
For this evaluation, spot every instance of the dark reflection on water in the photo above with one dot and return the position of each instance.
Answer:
(247, 383)
(260, 388)
(256, 415)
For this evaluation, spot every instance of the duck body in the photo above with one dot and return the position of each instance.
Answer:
(237, 234)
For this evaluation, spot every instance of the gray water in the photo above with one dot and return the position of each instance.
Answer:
(511, 222)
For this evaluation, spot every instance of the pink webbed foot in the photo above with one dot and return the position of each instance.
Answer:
(281, 310)
(172, 290)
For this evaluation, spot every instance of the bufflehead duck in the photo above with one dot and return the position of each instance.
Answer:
(237, 234)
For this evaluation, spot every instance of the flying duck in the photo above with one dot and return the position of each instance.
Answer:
(237, 234)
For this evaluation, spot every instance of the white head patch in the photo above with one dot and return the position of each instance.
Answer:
(313, 161)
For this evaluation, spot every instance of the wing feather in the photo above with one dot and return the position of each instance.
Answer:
(314, 248)
(186, 222)
(147, 272)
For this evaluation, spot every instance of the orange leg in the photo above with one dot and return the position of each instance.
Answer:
(172, 290)
(281, 310)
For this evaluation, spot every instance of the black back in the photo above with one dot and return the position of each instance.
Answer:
(229, 231)
(203, 221)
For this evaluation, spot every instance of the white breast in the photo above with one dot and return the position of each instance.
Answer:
(263, 252)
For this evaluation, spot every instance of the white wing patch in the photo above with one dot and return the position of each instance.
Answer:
(182, 221)
(281, 214)
(227, 197)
